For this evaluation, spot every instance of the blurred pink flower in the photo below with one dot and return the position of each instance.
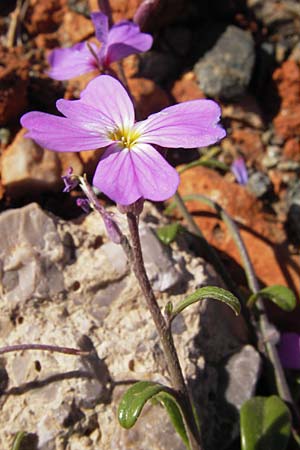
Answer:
(123, 39)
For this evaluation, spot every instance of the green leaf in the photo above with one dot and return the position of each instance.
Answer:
(175, 415)
(135, 398)
(213, 292)
(265, 424)
(168, 233)
(18, 440)
(280, 295)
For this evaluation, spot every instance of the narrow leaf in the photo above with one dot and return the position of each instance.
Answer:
(134, 400)
(211, 163)
(168, 233)
(18, 440)
(265, 424)
(175, 415)
(280, 295)
(206, 292)
(136, 397)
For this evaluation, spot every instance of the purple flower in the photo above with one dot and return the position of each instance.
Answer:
(289, 350)
(121, 40)
(131, 167)
(239, 169)
(70, 180)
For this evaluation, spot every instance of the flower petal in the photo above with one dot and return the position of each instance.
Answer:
(71, 62)
(86, 116)
(125, 38)
(188, 124)
(100, 22)
(61, 134)
(108, 96)
(127, 175)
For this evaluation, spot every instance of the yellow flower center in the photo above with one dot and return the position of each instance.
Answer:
(126, 138)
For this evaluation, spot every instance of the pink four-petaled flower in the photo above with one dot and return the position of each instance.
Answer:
(123, 39)
(131, 167)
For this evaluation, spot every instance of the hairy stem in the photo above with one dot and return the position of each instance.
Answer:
(163, 330)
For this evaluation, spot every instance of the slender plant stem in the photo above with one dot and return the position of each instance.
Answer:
(163, 330)
(43, 347)
(215, 259)
(264, 325)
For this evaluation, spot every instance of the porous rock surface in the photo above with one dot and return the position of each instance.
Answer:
(63, 283)
(225, 70)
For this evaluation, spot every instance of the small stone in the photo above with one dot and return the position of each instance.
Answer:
(243, 370)
(158, 261)
(225, 71)
(272, 156)
(30, 255)
(259, 184)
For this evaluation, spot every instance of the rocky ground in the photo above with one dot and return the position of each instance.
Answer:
(60, 277)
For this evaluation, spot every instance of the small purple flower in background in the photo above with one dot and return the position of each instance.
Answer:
(239, 169)
(70, 181)
(289, 350)
(123, 39)
(131, 167)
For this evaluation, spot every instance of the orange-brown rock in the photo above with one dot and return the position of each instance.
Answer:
(248, 141)
(44, 16)
(90, 159)
(287, 80)
(121, 9)
(149, 97)
(14, 80)
(28, 169)
(291, 149)
(264, 237)
(186, 88)
(74, 28)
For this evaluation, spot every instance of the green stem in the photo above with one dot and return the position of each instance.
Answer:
(264, 325)
(164, 332)
(212, 255)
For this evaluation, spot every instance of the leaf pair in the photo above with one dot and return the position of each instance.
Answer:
(134, 400)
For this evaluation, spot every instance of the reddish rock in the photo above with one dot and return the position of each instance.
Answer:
(44, 16)
(27, 168)
(121, 9)
(90, 159)
(186, 88)
(264, 237)
(291, 150)
(248, 141)
(74, 28)
(287, 80)
(14, 80)
(149, 97)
